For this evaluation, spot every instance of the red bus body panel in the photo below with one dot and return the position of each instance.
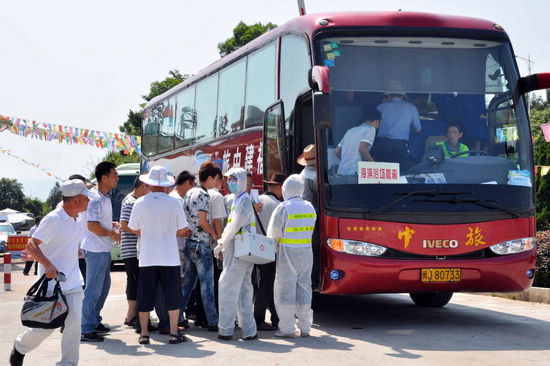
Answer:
(362, 274)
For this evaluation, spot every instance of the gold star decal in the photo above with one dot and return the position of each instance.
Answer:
(367, 228)
(360, 228)
(349, 228)
(355, 228)
(373, 228)
(379, 228)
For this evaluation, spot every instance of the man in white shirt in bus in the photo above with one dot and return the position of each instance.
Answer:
(54, 245)
(357, 142)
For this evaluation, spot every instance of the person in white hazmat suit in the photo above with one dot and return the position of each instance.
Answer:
(235, 289)
(291, 225)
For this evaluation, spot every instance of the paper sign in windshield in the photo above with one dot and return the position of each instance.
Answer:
(377, 173)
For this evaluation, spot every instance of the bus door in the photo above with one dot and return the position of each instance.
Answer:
(274, 145)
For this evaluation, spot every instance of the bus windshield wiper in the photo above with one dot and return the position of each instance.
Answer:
(475, 201)
(432, 193)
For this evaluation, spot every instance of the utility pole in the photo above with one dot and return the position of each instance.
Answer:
(301, 7)
(529, 63)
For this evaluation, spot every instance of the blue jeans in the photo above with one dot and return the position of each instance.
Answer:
(98, 276)
(199, 263)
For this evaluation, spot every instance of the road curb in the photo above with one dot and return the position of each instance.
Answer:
(534, 294)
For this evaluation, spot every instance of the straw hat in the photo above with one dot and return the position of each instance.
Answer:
(157, 177)
(308, 158)
(395, 87)
(276, 178)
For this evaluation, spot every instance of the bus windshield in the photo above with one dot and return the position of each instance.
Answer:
(447, 118)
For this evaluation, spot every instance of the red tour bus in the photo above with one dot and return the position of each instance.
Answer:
(429, 226)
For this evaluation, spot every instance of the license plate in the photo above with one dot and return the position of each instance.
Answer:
(440, 274)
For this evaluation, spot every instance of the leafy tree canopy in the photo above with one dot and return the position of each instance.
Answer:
(132, 125)
(35, 206)
(11, 194)
(54, 197)
(242, 34)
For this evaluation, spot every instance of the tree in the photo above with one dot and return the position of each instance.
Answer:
(11, 194)
(242, 34)
(34, 205)
(540, 113)
(54, 197)
(132, 126)
(119, 158)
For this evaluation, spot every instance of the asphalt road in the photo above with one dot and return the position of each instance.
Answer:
(348, 330)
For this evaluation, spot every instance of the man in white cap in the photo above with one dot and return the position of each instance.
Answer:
(398, 116)
(54, 245)
(157, 218)
(291, 226)
(308, 159)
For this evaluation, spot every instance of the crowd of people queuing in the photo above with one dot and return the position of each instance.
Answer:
(177, 242)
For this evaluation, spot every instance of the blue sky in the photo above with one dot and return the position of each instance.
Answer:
(86, 64)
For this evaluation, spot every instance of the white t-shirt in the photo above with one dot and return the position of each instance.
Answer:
(217, 204)
(350, 155)
(60, 235)
(270, 202)
(99, 210)
(180, 239)
(158, 216)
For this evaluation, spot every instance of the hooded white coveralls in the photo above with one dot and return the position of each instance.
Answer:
(292, 224)
(235, 289)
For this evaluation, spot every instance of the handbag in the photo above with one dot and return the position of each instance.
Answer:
(42, 311)
(254, 248)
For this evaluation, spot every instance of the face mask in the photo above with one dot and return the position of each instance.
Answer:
(233, 187)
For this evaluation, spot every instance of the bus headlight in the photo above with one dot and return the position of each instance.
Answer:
(356, 247)
(513, 246)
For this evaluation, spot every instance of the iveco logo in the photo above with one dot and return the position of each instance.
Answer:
(439, 243)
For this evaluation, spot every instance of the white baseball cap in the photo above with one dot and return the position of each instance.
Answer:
(157, 177)
(74, 187)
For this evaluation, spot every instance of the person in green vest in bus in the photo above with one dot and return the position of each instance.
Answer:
(453, 146)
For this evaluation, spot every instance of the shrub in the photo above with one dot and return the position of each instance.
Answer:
(542, 274)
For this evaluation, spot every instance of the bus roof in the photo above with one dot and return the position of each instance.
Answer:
(310, 23)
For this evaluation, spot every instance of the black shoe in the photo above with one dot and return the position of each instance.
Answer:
(213, 328)
(91, 337)
(16, 358)
(266, 327)
(25, 273)
(225, 337)
(131, 322)
(184, 324)
(249, 338)
(102, 329)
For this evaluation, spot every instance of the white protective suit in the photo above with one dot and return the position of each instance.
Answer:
(235, 289)
(292, 226)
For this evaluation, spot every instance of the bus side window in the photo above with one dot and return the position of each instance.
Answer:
(152, 119)
(186, 117)
(260, 85)
(231, 98)
(205, 106)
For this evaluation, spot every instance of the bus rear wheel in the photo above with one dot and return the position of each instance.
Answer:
(431, 299)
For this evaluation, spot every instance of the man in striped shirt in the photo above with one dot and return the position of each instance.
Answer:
(128, 248)
(398, 116)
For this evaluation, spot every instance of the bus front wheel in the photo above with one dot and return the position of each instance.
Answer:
(431, 299)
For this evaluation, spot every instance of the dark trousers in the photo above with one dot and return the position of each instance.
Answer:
(264, 294)
(392, 151)
(82, 266)
(28, 266)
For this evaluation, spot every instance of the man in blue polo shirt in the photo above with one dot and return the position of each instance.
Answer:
(398, 116)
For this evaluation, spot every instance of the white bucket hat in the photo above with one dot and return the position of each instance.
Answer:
(157, 177)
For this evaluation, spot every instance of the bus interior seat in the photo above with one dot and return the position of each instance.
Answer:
(431, 141)
(417, 141)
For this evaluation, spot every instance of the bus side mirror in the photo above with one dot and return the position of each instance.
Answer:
(318, 78)
(530, 83)
(322, 110)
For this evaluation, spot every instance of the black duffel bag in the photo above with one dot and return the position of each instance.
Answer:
(42, 311)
